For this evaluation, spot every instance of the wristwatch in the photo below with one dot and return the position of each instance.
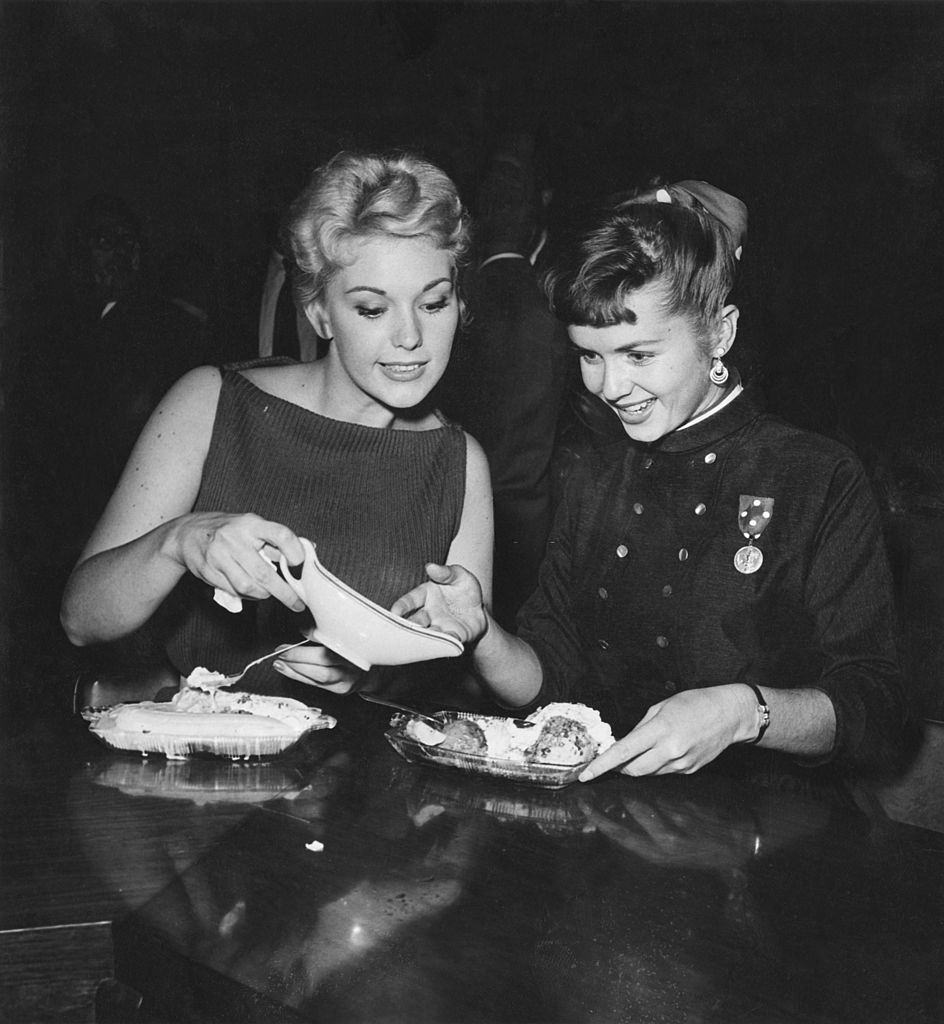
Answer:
(763, 710)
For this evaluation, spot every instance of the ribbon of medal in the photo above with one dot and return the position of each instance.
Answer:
(754, 513)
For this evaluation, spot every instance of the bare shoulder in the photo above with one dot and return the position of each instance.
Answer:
(190, 404)
(162, 477)
(288, 381)
(476, 465)
(197, 385)
(474, 452)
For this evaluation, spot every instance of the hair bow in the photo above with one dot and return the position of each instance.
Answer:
(726, 209)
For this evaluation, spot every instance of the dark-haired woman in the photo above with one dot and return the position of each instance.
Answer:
(718, 577)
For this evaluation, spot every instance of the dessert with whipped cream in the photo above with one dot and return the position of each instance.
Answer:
(206, 719)
(203, 679)
(559, 734)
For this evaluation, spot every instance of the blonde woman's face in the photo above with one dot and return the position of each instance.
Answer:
(392, 313)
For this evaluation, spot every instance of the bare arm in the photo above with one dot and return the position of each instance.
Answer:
(148, 537)
(473, 544)
(508, 666)
(452, 602)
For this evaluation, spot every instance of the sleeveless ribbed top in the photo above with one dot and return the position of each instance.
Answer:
(379, 504)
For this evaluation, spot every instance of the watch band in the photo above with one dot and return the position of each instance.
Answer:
(763, 709)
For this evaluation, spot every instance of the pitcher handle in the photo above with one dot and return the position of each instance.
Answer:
(298, 584)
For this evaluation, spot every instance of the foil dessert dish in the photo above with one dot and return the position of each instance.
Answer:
(207, 721)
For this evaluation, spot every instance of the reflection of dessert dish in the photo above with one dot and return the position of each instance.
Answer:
(555, 813)
(201, 782)
(546, 749)
(212, 721)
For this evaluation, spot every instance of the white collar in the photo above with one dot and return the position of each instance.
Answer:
(735, 391)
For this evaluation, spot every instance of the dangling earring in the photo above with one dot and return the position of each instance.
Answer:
(718, 374)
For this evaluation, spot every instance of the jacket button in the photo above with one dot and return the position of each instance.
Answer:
(637, 508)
(603, 593)
(647, 463)
(667, 590)
(700, 509)
(662, 641)
(710, 457)
(603, 645)
(622, 551)
(683, 554)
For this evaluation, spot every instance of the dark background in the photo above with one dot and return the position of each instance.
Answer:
(205, 117)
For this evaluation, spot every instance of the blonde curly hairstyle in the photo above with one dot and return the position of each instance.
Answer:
(362, 195)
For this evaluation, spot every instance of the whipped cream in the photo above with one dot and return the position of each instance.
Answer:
(203, 679)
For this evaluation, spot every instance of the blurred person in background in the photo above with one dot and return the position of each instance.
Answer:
(506, 383)
(101, 347)
(189, 283)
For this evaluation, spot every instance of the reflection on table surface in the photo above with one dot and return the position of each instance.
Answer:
(346, 885)
(200, 781)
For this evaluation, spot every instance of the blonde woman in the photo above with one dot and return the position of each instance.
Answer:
(347, 451)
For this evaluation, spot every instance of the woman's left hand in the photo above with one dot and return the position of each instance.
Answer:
(450, 601)
(317, 665)
(680, 734)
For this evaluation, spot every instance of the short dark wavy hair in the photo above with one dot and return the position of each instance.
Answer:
(628, 242)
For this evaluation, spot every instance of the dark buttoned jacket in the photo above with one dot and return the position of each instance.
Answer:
(639, 595)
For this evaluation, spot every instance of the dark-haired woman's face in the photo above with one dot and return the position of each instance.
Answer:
(653, 373)
(392, 314)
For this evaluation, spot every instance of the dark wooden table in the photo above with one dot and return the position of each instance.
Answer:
(442, 897)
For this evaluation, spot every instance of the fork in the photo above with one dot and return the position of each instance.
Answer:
(281, 649)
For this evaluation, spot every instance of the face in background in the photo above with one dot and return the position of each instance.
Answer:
(653, 373)
(109, 258)
(391, 313)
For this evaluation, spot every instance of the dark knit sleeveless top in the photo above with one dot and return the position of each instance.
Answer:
(379, 504)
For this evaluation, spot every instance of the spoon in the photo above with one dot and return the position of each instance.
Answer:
(433, 722)
(521, 723)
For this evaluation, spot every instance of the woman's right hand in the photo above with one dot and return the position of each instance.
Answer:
(234, 553)
(451, 601)
(317, 665)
